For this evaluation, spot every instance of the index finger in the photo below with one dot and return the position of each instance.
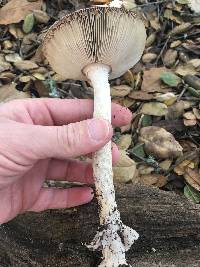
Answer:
(47, 111)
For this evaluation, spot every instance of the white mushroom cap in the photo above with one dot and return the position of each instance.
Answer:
(108, 35)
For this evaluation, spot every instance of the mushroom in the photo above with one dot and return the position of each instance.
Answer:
(97, 44)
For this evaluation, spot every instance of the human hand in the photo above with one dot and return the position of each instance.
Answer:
(38, 139)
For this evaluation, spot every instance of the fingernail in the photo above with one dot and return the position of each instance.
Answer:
(99, 129)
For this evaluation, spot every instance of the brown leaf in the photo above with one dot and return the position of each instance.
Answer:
(16, 10)
(193, 178)
(151, 80)
(181, 168)
(141, 95)
(8, 92)
(153, 179)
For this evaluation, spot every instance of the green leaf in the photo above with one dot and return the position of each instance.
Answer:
(192, 193)
(29, 22)
(170, 79)
(193, 92)
(146, 120)
(138, 151)
(182, 2)
(52, 87)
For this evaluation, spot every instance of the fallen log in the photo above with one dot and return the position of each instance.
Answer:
(168, 224)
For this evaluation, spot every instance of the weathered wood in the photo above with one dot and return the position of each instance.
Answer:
(168, 224)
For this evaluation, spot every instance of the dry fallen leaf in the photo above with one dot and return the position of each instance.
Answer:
(189, 115)
(168, 98)
(175, 111)
(196, 113)
(124, 141)
(159, 143)
(154, 179)
(144, 169)
(16, 10)
(180, 168)
(186, 69)
(151, 80)
(125, 169)
(25, 65)
(170, 57)
(154, 108)
(8, 92)
(141, 95)
(190, 122)
(165, 164)
(120, 90)
(149, 57)
(193, 178)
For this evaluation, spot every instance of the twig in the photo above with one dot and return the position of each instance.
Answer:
(181, 94)
(152, 3)
(191, 98)
(162, 50)
(150, 161)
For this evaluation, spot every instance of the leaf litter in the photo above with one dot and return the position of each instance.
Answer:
(162, 90)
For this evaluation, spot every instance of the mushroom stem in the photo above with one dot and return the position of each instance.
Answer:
(115, 238)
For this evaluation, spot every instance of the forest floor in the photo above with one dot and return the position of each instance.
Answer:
(161, 146)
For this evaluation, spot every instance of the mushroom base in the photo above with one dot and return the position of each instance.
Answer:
(115, 238)
(114, 241)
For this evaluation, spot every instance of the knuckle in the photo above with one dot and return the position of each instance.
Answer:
(69, 137)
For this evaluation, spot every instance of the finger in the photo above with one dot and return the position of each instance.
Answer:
(61, 142)
(115, 154)
(51, 198)
(74, 170)
(70, 170)
(59, 111)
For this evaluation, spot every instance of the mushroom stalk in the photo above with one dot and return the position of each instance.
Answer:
(115, 238)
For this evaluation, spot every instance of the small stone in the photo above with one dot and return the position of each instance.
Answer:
(159, 143)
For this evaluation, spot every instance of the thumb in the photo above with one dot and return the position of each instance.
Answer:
(70, 140)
